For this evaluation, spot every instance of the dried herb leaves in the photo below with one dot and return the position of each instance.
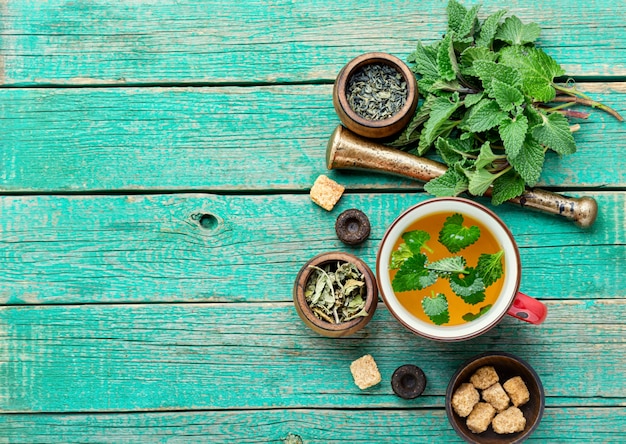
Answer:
(336, 293)
(376, 91)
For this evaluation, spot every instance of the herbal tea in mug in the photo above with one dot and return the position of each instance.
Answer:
(449, 269)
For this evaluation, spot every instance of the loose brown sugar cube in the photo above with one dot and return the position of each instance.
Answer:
(326, 192)
(484, 377)
(478, 421)
(509, 421)
(517, 390)
(497, 397)
(464, 399)
(365, 372)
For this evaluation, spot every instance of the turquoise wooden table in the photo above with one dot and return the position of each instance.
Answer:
(156, 158)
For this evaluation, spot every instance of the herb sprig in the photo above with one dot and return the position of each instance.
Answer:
(416, 272)
(492, 107)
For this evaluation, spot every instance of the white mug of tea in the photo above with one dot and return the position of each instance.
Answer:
(449, 269)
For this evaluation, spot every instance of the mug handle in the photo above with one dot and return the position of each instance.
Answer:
(528, 309)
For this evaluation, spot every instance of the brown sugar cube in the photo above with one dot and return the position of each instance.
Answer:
(464, 399)
(478, 421)
(326, 192)
(509, 421)
(365, 372)
(497, 397)
(484, 377)
(517, 390)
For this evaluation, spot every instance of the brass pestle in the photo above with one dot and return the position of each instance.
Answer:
(347, 150)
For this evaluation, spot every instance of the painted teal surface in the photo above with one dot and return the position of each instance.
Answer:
(98, 358)
(119, 249)
(155, 163)
(370, 426)
(225, 139)
(102, 42)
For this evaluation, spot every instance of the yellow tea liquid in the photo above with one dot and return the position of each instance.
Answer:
(457, 307)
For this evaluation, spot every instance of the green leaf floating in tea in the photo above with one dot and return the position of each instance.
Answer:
(399, 256)
(489, 267)
(448, 265)
(416, 240)
(468, 286)
(472, 317)
(413, 275)
(436, 308)
(455, 236)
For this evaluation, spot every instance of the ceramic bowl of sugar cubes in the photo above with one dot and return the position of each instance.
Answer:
(495, 398)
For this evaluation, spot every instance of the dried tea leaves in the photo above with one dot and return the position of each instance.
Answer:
(337, 292)
(376, 91)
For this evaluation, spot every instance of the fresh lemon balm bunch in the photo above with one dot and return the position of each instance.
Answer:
(492, 105)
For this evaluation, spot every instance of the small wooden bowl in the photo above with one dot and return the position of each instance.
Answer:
(507, 366)
(326, 328)
(374, 129)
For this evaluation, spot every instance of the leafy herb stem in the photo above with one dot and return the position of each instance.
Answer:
(323, 315)
(575, 96)
(497, 173)
(561, 109)
(563, 105)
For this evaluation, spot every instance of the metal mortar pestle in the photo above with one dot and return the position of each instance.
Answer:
(347, 150)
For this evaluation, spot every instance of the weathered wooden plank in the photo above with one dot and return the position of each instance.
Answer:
(158, 248)
(241, 356)
(64, 42)
(224, 139)
(328, 426)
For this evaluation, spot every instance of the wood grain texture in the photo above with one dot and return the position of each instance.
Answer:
(150, 357)
(593, 425)
(155, 160)
(63, 42)
(225, 139)
(113, 249)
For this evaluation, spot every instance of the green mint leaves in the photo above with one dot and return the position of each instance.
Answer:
(514, 32)
(472, 317)
(469, 286)
(455, 236)
(436, 308)
(416, 272)
(416, 240)
(488, 82)
(448, 265)
(489, 267)
(413, 274)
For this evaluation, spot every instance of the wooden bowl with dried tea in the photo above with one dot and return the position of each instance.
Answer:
(375, 95)
(335, 294)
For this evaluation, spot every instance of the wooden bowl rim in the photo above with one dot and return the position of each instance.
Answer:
(534, 384)
(354, 65)
(302, 278)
